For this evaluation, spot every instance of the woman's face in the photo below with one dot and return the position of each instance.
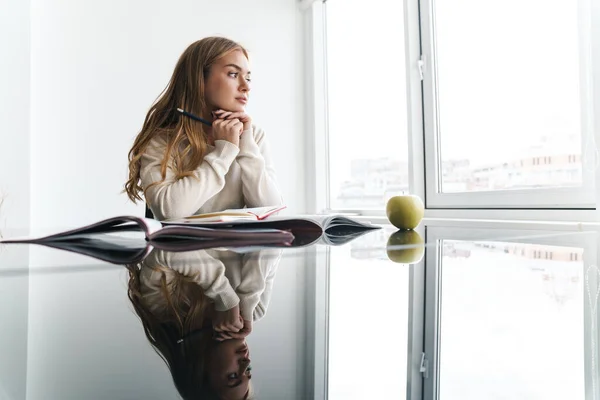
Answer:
(228, 84)
(229, 368)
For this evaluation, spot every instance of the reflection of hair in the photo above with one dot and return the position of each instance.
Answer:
(185, 90)
(180, 309)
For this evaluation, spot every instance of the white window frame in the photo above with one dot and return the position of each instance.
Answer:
(317, 154)
(317, 138)
(552, 198)
(445, 206)
(433, 257)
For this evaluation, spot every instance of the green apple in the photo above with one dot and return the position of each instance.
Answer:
(406, 247)
(405, 211)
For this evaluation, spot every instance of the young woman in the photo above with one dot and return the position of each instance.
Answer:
(183, 166)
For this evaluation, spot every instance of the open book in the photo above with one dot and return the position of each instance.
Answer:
(308, 229)
(241, 214)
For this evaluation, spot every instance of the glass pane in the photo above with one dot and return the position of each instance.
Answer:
(512, 321)
(368, 145)
(509, 94)
(368, 327)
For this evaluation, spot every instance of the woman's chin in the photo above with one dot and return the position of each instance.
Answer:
(237, 107)
(232, 108)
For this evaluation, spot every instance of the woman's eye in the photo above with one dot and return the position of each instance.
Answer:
(232, 376)
(233, 74)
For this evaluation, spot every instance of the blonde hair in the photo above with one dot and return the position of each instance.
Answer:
(186, 90)
(180, 309)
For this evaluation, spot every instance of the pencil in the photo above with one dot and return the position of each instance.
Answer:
(194, 117)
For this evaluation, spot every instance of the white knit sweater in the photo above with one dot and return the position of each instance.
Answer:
(227, 278)
(228, 177)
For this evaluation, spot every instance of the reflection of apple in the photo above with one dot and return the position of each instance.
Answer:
(406, 247)
(405, 211)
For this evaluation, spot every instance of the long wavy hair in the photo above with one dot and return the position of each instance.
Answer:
(186, 90)
(180, 311)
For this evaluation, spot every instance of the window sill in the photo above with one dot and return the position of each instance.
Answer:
(483, 221)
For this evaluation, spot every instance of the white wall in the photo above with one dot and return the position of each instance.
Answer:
(14, 113)
(14, 190)
(96, 67)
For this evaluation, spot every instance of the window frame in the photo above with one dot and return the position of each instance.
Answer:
(551, 198)
(420, 123)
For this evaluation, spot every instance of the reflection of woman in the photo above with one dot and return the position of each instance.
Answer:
(197, 309)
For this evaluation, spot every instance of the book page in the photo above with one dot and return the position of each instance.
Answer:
(152, 225)
(229, 215)
(261, 212)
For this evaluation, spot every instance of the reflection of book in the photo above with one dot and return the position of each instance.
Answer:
(123, 250)
(327, 229)
(242, 214)
(108, 248)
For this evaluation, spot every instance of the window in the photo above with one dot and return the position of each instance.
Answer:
(495, 99)
(503, 92)
(366, 103)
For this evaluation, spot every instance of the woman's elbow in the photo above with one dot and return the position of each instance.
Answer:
(166, 206)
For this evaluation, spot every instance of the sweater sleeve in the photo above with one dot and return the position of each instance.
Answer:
(265, 297)
(254, 289)
(178, 198)
(208, 272)
(259, 183)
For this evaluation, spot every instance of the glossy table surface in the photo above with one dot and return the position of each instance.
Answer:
(479, 312)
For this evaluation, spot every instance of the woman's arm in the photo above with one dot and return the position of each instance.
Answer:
(208, 272)
(265, 297)
(259, 184)
(252, 279)
(178, 198)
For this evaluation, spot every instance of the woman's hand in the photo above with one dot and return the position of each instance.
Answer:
(227, 129)
(229, 321)
(241, 334)
(240, 115)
